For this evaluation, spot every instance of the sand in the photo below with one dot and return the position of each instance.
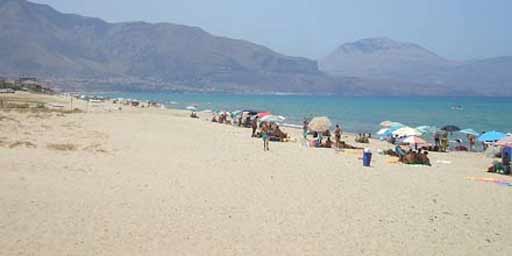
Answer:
(155, 182)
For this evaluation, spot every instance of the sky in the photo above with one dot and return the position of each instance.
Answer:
(454, 29)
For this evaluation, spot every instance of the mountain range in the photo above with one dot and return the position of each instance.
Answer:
(77, 52)
(384, 59)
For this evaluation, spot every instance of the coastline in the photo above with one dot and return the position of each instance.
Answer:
(154, 181)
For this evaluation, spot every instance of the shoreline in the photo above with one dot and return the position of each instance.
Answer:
(347, 115)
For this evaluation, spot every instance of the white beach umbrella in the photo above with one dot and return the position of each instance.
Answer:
(320, 124)
(193, 108)
(387, 124)
(426, 129)
(414, 140)
(272, 119)
(406, 131)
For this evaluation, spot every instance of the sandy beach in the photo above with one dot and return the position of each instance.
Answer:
(148, 181)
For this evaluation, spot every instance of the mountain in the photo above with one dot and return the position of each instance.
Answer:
(383, 58)
(74, 52)
(391, 62)
(37, 40)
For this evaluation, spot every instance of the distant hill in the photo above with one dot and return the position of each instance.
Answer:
(384, 59)
(39, 41)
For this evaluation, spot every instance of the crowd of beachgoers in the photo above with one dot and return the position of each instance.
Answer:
(152, 180)
(410, 145)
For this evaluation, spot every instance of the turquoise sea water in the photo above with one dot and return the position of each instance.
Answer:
(356, 114)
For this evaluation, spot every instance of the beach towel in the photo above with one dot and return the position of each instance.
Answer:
(501, 182)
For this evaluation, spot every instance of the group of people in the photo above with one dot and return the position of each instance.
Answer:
(412, 156)
(363, 138)
(441, 143)
(268, 131)
(502, 167)
(323, 139)
(221, 119)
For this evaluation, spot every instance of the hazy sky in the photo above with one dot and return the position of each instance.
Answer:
(455, 29)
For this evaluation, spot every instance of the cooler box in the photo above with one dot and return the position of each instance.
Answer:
(367, 159)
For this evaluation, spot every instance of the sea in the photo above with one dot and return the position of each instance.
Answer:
(354, 114)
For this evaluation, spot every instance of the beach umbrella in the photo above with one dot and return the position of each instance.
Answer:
(388, 132)
(469, 131)
(272, 119)
(505, 142)
(491, 136)
(320, 124)
(263, 114)
(382, 131)
(427, 129)
(406, 131)
(193, 108)
(414, 140)
(387, 124)
(251, 112)
(450, 128)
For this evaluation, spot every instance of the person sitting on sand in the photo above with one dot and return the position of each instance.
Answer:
(459, 146)
(344, 145)
(410, 157)
(214, 119)
(319, 138)
(362, 138)
(327, 144)
(422, 158)
(279, 134)
(194, 115)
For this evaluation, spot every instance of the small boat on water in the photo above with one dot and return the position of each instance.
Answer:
(457, 108)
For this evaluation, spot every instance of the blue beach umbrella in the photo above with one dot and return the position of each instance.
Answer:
(491, 136)
(390, 130)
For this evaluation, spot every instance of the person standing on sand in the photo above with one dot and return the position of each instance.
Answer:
(305, 128)
(437, 140)
(254, 126)
(472, 142)
(444, 142)
(505, 161)
(265, 132)
(337, 136)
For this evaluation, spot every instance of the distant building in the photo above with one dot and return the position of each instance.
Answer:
(27, 81)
